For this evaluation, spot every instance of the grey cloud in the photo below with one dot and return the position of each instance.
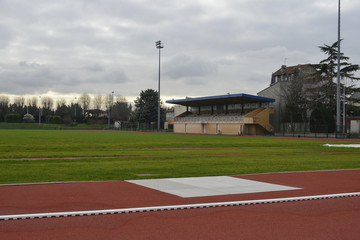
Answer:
(94, 68)
(96, 46)
(6, 34)
(29, 65)
(182, 66)
(33, 77)
(29, 79)
(115, 76)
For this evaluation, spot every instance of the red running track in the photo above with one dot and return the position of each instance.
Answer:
(317, 219)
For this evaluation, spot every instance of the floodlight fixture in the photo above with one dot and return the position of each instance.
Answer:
(159, 45)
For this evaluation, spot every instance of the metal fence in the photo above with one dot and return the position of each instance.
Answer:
(316, 131)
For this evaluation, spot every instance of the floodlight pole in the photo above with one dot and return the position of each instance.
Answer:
(39, 110)
(110, 105)
(159, 46)
(338, 78)
(75, 108)
(344, 106)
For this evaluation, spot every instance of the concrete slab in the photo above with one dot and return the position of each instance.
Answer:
(209, 186)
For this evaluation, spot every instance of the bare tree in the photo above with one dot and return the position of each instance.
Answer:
(108, 101)
(4, 101)
(32, 105)
(61, 102)
(19, 102)
(98, 102)
(85, 101)
(121, 99)
(33, 102)
(47, 103)
(295, 100)
(19, 105)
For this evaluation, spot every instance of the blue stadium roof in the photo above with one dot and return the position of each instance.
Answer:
(221, 99)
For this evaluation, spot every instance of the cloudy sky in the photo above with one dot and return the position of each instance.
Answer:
(211, 47)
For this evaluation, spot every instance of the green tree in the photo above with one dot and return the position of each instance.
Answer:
(78, 117)
(121, 109)
(146, 107)
(324, 95)
(4, 106)
(54, 119)
(61, 108)
(13, 118)
(322, 120)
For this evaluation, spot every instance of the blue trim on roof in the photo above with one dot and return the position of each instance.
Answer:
(225, 97)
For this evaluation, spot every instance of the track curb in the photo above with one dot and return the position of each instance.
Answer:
(174, 207)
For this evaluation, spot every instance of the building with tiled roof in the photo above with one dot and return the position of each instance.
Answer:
(280, 81)
(285, 73)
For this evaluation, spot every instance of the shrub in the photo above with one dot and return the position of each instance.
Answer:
(55, 119)
(13, 118)
(67, 120)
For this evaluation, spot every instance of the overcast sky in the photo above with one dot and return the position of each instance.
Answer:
(70, 47)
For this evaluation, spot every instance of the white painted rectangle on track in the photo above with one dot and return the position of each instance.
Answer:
(209, 186)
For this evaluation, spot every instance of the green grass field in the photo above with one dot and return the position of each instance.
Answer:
(101, 155)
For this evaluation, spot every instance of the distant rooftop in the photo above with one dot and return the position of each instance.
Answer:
(221, 99)
(289, 69)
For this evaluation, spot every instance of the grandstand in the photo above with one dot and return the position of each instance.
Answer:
(233, 114)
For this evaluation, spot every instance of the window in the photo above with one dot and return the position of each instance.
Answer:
(251, 106)
(234, 106)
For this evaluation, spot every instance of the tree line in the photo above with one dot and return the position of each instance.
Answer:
(96, 109)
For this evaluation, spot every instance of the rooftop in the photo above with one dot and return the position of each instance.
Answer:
(221, 99)
(289, 69)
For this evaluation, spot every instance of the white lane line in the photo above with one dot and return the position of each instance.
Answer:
(175, 207)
